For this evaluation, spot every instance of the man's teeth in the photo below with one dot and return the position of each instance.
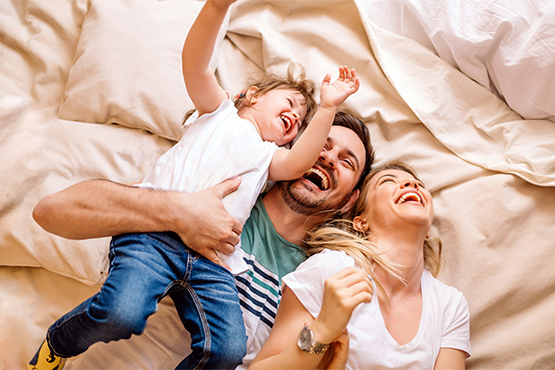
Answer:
(409, 196)
(325, 184)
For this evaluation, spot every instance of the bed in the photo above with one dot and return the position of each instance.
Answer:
(461, 90)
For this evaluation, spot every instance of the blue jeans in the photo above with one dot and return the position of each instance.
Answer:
(143, 269)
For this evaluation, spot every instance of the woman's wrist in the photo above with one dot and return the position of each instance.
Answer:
(321, 332)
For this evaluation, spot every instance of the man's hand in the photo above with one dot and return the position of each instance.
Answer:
(99, 208)
(208, 226)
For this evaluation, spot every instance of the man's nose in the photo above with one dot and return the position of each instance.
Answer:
(328, 158)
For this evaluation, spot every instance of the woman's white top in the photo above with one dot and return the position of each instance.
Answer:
(214, 147)
(444, 322)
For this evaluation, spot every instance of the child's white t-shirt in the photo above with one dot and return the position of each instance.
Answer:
(213, 148)
(444, 322)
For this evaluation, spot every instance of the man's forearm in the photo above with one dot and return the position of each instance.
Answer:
(98, 208)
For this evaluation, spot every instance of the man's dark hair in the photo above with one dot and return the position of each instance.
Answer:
(355, 124)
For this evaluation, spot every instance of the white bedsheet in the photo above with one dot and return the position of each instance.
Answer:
(433, 94)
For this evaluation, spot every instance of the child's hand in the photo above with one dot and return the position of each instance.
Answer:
(332, 95)
(222, 3)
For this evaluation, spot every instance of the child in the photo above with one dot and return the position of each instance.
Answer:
(220, 141)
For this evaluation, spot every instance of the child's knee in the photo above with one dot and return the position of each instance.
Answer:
(126, 325)
(121, 321)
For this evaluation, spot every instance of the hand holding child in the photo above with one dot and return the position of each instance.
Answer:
(333, 94)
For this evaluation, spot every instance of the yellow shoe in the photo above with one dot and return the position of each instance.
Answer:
(45, 360)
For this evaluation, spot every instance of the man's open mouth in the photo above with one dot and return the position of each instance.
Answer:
(318, 178)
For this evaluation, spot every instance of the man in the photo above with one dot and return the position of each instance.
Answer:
(272, 237)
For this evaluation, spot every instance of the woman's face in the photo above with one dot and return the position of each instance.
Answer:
(396, 199)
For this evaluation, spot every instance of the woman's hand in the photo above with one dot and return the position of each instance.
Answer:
(343, 292)
(337, 355)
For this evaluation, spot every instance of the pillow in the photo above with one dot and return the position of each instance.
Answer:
(504, 46)
(58, 156)
(127, 67)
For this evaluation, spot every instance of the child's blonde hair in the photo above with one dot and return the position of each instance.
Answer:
(293, 81)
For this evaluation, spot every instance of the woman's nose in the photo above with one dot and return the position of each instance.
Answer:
(410, 182)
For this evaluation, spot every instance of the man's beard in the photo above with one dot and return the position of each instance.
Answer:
(300, 201)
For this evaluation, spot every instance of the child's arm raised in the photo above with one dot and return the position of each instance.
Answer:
(202, 86)
(292, 164)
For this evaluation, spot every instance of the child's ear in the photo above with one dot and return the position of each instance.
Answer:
(250, 94)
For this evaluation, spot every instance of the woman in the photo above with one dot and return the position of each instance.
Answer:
(411, 321)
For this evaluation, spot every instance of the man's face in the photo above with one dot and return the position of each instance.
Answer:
(328, 185)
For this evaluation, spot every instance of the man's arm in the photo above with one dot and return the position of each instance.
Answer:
(98, 208)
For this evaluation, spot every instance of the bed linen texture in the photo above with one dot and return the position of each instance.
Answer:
(461, 90)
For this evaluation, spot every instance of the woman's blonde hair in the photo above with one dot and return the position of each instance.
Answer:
(295, 80)
(432, 247)
(341, 235)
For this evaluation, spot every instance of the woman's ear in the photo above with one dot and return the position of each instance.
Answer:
(360, 224)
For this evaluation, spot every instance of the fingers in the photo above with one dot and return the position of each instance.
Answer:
(227, 187)
(343, 292)
(352, 286)
(327, 79)
(349, 76)
(234, 237)
(211, 255)
(356, 80)
(222, 190)
(345, 73)
(217, 260)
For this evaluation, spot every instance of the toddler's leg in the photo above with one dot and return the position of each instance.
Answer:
(138, 278)
(208, 305)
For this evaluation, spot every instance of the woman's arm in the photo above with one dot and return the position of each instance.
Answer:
(450, 359)
(342, 293)
(280, 350)
(98, 208)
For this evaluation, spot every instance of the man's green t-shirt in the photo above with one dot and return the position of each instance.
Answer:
(269, 257)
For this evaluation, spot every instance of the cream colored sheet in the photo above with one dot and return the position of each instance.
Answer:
(491, 172)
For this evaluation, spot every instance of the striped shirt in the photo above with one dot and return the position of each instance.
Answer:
(269, 258)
